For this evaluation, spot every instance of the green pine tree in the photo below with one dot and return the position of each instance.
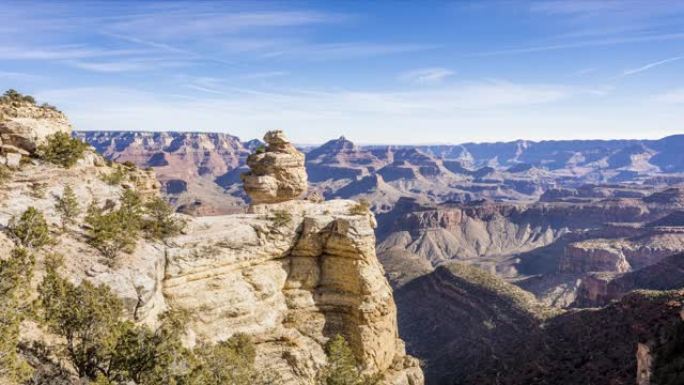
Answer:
(15, 277)
(67, 206)
(31, 229)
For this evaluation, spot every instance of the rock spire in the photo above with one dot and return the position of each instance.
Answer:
(277, 171)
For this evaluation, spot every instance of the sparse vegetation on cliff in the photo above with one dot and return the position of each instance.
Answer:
(67, 206)
(280, 218)
(115, 177)
(362, 207)
(106, 350)
(160, 222)
(31, 229)
(5, 174)
(15, 277)
(229, 362)
(115, 231)
(61, 149)
(343, 367)
(15, 97)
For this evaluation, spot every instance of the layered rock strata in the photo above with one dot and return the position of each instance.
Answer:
(290, 274)
(277, 171)
(24, 125)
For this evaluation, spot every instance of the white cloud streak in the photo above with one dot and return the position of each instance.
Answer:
(649, 66)
(582, 44)
(426, 75)
(247, 112)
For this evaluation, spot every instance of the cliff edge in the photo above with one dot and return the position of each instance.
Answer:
(291, 274)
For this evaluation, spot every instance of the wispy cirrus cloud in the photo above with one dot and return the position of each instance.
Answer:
(583, 44)
(461, 111)
(432, 75)
(649, 66)
(191, 23)
(60, 52)
(130, 65)
(140, 34)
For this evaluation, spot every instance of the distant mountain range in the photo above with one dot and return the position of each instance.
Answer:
(201, 171)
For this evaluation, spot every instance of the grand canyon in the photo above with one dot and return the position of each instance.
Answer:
(342, 192)
(507, 244)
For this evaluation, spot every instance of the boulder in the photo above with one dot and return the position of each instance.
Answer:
(277, 172)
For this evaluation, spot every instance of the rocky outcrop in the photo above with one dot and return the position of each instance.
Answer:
(25, 125)
(277, 173)
(644, 364)
(291, 274)
(594, 255)
(599, 289)
(292, 285)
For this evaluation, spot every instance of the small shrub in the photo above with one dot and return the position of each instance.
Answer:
(229, 362)
(114, 178)
(112, 232)
(67, 206)
(261, 149)
(16, 97)
(5, 174)
(61, 149)
(160, 222)
(342, 367)
(38, 190)
(128, 164)
(49, 107)
(281, 218)
(31, 229)
(362, 207)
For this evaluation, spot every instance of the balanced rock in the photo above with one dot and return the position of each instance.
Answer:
(277, 172)
(25, 125)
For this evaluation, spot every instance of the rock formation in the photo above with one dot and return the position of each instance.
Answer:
(25, 125)
(292, 284)
(290, 274)
(277, 172)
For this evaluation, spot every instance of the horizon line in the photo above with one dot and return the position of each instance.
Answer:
(418, 144)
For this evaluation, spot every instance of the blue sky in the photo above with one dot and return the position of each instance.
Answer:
(376, 72)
